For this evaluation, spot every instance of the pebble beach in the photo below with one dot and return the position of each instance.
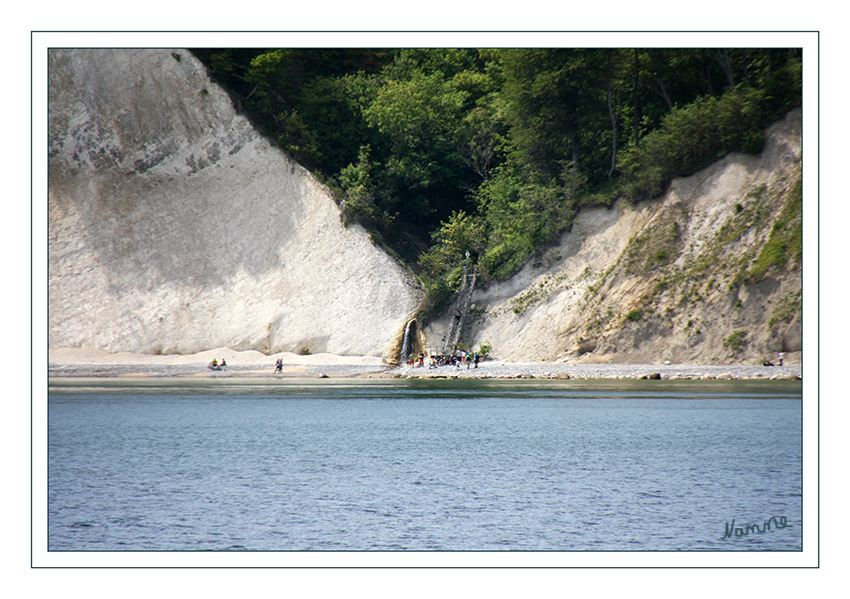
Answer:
(88, 363)
(507, 370)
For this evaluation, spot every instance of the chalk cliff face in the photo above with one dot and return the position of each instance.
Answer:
(175, 227)
(700, 275)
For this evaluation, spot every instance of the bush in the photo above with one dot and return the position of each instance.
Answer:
(436, 300)
(736, 341)
(634, 315)
(753, 142)
(502, 260)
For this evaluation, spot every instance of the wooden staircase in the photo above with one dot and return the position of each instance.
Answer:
(464, 299)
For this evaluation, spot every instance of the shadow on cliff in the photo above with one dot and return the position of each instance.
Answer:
(166, 188)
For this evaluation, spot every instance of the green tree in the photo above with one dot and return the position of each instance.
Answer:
(461, 234)
(429, 147)
(356, 180)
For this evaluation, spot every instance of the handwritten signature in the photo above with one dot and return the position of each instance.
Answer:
(743, 531)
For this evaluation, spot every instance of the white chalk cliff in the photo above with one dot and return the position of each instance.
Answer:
(175, 227)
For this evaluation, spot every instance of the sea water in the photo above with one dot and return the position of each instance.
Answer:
(338, 465)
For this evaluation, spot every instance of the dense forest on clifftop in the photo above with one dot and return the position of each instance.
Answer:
(439, 152)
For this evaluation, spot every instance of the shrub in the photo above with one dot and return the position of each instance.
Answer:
(691, 137)
(634, 315)
(736, 341)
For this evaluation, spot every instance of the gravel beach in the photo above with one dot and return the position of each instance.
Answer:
(87, 363)
(506, 370)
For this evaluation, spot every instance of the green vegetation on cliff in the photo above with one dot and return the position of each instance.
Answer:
(786, 238)
(439, 152)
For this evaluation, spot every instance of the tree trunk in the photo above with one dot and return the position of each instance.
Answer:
(706, 66)
(613, 114)
(747, 67)
(663, 93)
(575, 150)
(636, 104)
(722, 57)
(661, 90)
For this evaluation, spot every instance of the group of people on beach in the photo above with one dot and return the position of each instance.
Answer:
(278, 366)
(458, 359)
(215, 365)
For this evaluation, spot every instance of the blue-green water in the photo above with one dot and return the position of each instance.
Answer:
(256, 464)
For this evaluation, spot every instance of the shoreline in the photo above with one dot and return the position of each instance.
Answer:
(561, 371)
(79, 363)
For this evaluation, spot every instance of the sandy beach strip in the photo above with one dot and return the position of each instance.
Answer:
(73, 362)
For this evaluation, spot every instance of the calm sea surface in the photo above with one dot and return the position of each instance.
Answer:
(331, 465)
